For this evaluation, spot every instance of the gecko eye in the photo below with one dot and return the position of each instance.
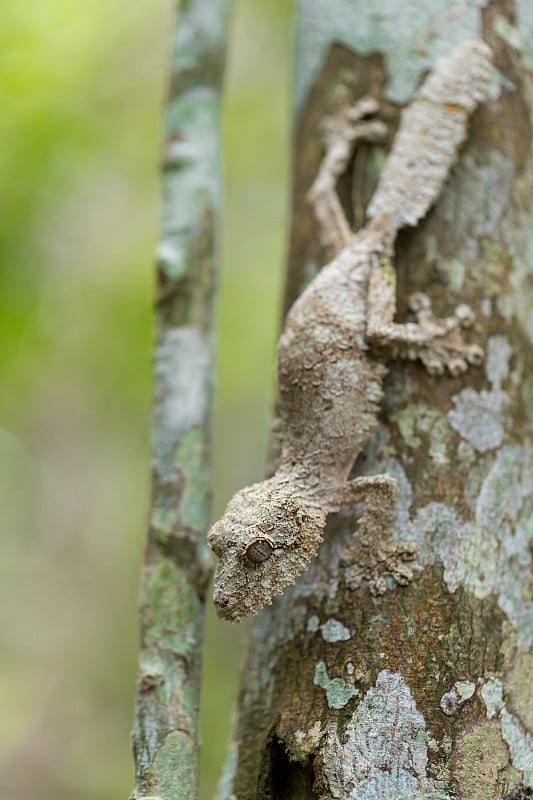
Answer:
(258, 551)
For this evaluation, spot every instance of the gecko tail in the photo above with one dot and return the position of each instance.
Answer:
(433, 127)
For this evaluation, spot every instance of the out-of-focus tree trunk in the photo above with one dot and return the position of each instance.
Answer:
(176, 565)
(426, 691)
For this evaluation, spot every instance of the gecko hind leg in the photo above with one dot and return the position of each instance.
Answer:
(342, 132)
(373, 555)
(437, 342)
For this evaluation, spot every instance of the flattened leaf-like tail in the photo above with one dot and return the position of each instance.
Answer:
(432, 127)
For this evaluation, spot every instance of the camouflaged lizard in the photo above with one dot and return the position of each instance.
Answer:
(333, 350)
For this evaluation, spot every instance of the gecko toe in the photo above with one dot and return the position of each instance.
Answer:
(475, 355)
(465, 315)
(457, 366)
(433, 365)
(419, 301)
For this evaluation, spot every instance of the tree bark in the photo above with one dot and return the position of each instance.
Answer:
(427, 690)
(177, 566)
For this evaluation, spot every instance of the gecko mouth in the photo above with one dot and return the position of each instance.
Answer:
(226, 609)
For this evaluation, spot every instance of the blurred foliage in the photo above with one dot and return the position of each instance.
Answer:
(83, 86)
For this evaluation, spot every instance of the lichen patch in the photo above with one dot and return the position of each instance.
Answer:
(482, 555)
(182, 368)
(480, 763)
(384, 750)
(398, 34)
(338, 692)
(519, 740)
(479, 417)
(335, 631)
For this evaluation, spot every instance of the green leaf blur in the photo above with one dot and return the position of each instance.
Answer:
(83, 87)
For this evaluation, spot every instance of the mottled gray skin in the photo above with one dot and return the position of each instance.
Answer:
(332, 353)
(330, 386)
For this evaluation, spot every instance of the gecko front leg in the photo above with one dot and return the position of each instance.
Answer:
(437, 343)
(373, 555)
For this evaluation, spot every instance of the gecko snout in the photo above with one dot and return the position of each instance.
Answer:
(224, 607)
(220, 601)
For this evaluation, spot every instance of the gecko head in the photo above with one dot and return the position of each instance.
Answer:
(265, 539)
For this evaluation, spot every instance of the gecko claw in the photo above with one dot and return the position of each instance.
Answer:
(475, 355)
(419, 301)
(465, 315)
(456, 366)
(433, 366)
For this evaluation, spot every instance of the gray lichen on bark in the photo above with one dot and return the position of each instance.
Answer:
(400, 30)
(388, 759)
(176, 565)
(450, 654)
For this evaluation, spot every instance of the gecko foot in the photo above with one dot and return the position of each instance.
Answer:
(372, 563)
(373, 555)
(438, 343)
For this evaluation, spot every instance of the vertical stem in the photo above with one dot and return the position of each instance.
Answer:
(176, 566)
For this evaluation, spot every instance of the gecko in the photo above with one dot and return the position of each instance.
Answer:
(333, 350)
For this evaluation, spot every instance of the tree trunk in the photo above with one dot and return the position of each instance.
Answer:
(177, 566)
(427, 690)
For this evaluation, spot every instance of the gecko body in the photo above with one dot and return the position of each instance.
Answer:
(333, 349)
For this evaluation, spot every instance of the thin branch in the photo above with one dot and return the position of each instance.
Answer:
(176, 566)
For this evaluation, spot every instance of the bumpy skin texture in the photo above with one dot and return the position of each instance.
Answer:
(331, 356)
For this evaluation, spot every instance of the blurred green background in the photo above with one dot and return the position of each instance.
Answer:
(83, 86)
